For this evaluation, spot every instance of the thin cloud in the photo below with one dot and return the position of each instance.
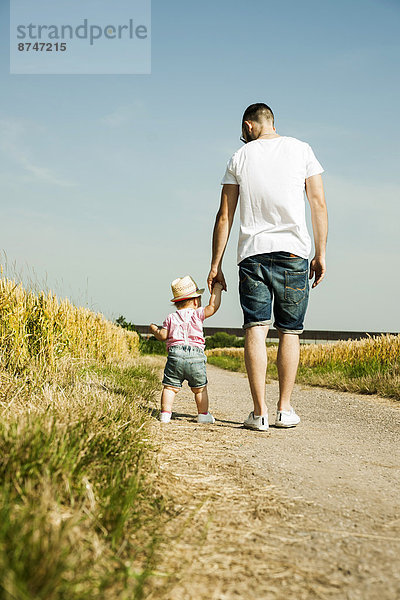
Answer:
(13, 133)
(124, 115)
(120, 116)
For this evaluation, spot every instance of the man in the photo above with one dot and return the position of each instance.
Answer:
(270, 173)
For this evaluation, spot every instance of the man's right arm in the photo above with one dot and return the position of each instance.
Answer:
(222, 228)
(319, 218)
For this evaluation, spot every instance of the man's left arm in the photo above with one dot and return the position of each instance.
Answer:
(319, 218)
(222, 229)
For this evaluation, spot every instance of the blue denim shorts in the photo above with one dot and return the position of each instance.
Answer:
(278, 282)
(185, 362)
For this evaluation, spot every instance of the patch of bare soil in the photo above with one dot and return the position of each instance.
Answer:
(309, 512)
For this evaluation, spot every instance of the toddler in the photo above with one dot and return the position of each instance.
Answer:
(183, 332)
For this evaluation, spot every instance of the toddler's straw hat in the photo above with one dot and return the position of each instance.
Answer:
(184, 288)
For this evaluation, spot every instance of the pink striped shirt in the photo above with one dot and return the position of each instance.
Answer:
(185, 328)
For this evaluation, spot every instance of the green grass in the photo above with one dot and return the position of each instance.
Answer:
(365, 377)
(152, 346)
(236, 363)
(79, 515)
(224, 340)
(230, 363)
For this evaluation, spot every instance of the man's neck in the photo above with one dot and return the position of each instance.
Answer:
(269, 134)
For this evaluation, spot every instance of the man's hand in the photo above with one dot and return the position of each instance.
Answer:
(317, 268)
(216, 276)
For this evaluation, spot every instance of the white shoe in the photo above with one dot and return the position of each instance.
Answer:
(286, 418)
(208, 418)
(258, 423)
(165, 417)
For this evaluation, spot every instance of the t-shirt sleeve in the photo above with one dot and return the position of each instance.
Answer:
(200, 313)
(230, 173)
(313, 167)
(167, 322)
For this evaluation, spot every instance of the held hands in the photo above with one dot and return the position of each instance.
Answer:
(317, 268)
(216, 276)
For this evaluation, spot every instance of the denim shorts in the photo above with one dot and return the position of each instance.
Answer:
(278, 282)
(185, 362)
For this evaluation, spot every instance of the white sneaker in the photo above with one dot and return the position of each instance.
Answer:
(165, 417)
(208, 418)
(258, 423)
(286, 418)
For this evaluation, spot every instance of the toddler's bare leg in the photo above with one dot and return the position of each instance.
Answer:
(201, 397)
(167, 398)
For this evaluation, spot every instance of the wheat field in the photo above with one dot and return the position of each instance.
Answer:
(39, 329)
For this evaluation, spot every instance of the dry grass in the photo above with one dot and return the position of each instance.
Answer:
(233, 535)
(230, 533)
(79, 514)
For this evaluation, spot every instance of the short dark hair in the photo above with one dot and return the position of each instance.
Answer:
(258, 112)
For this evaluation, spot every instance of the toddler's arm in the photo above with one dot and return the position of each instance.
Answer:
(160, 334)
(215, 300)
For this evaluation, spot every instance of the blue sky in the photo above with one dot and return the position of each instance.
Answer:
(109, 184)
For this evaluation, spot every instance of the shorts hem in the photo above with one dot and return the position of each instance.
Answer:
(171, 384)
(256, 323)
(198, 386)
(283, 330)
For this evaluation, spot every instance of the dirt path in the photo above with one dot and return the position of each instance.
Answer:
(309, 512)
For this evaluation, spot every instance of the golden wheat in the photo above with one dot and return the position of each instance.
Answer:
(235, 352)
(40, 328)
(383, 349)
(239, 352)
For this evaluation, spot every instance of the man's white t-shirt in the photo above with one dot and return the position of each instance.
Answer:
(271, 174)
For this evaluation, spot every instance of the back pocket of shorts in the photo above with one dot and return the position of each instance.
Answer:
(246, 282)
(296, 283)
